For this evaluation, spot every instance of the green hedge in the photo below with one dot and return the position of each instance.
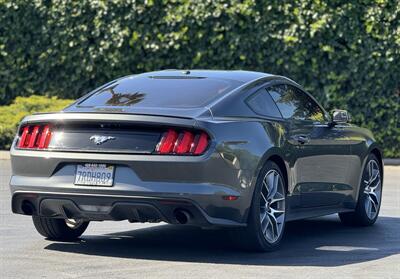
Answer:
(346, 53)
(11, 115)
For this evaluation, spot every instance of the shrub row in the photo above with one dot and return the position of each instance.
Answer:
(11, 115)
(346, 53)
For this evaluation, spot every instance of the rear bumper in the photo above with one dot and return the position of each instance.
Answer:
(199, 182)
(112, 207)
(129, 198)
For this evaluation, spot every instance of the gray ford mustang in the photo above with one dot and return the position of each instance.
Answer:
(247, 151)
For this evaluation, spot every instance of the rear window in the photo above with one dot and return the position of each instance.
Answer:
(170, 92)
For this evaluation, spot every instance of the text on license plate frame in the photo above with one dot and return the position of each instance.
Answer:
(93, 174)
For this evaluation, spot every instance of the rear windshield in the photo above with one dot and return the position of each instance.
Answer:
(167, 92)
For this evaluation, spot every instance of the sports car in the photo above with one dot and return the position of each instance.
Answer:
(240, 150)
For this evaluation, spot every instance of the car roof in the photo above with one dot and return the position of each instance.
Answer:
(237, 75)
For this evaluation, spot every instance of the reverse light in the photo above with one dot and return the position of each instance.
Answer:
(35, 137)
(182, 143)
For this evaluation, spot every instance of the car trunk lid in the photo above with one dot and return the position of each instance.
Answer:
(113, 133)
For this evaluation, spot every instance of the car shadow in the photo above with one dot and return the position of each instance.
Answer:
(315, 242)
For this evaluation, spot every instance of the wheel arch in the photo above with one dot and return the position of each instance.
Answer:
(275, 155)
(378, 153)
(373, 149)
(281, 164)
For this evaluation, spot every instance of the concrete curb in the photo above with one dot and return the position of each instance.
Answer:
(5, 155)
(391, 162)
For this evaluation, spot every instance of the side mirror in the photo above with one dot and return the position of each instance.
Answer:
(340, 116)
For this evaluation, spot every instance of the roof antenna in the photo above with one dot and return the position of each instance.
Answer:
(186, 72)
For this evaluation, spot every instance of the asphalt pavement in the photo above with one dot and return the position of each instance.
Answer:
(314, 248)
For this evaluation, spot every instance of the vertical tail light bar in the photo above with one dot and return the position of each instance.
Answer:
(182, 143)
(201, 144)
(167, 142)
(35, 137)
(45, 137)
(24, 139)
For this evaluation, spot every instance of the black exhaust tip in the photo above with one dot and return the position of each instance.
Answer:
(182, 216)
(27, 208)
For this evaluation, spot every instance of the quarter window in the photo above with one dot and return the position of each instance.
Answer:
(295, 104)
(262, 103)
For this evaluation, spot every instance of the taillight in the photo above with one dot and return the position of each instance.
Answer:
(35, 137)
(182, 143)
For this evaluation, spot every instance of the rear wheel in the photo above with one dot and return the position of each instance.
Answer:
(266, 221)
(60, 229)
(369, 197)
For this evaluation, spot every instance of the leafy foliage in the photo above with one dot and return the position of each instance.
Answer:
(346, 53)
(11, 115)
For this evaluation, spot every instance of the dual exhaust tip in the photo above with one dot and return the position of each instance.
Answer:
(27, 208)
(182, 216)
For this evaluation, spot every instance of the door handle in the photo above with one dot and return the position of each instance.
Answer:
(302, 139)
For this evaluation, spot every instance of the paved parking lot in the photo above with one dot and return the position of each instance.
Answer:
(316, 248)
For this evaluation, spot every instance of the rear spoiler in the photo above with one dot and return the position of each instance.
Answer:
(61, 117)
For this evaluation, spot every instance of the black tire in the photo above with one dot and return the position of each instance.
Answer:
(57, 229)
(359, 217)
(251, 237)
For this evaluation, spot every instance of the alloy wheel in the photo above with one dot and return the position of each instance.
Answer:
(372, 188)
(272, 206)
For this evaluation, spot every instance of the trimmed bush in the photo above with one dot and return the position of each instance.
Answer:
(346, 53)
(11, 115)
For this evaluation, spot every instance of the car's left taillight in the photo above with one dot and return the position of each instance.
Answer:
(34, 136)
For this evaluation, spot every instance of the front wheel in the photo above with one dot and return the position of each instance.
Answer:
(60, 229)
(369, 197)
(266, 221)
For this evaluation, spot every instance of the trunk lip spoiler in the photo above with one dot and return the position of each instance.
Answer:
(61, 117)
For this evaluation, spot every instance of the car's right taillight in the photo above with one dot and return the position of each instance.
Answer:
(183, 142)
(34, 137)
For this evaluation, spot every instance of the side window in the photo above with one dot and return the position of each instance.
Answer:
(262, 103)
(295, 104)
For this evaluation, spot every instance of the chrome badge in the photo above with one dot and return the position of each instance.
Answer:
(101, 139)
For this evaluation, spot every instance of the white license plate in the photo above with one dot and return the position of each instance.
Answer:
(94, 175)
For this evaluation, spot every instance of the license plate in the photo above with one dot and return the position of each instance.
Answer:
(94, 175)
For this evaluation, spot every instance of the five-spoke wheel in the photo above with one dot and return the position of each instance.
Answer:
(272, 206)
(372, 188)
(266, 221)
(369, 198)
